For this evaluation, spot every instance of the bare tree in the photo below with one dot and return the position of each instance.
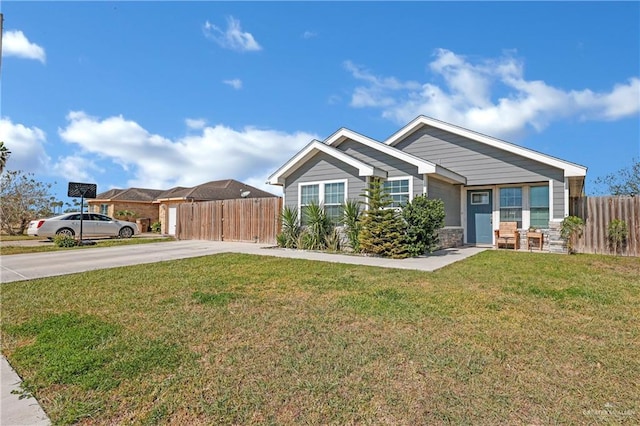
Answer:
(4, 156)
(23, 199)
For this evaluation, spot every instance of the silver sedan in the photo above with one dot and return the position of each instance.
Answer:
(93, 225)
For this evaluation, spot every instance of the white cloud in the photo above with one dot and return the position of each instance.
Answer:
(467, 96)
(27, 146)
(15, 43)
(195, 123)
(309, 34)
(236, 83)
(233, 37)
(216, 152)
(75, 168)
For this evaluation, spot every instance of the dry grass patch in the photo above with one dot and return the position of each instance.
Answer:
(501, 338)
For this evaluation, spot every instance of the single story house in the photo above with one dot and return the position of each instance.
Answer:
(482, 180)
(159, 205)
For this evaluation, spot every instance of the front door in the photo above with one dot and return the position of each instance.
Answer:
(479, 212)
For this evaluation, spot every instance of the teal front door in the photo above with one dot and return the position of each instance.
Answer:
(479, 211)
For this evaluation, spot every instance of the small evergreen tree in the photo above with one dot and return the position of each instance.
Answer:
(424, 217)
(383, 229)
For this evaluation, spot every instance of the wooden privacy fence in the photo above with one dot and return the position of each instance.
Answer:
(248, 219)
(598, 212)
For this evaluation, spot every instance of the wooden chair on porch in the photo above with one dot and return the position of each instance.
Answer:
(508, 234)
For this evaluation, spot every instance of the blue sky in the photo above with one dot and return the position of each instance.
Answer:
(160, 94)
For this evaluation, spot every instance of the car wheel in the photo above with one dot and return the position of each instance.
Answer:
(66, 232)
(126, 232)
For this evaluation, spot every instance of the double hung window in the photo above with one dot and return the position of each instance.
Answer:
(399, 191)
(511, 205)
(539, 206)
(329, 195)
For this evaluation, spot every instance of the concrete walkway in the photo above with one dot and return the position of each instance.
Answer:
(20, 267)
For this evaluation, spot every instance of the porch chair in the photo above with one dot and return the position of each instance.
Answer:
(508, 234)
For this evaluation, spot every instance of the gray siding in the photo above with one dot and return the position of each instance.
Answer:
(322, 167)
(450, 194)
(481, 164)
(558, 200)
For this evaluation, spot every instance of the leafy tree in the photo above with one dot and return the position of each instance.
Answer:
(4, 156)
(424, 217)
(383, 229)
(23, 199)
(625, 181)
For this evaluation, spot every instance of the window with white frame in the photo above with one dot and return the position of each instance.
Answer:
(539, 206)
(511, 205)
(331, 195)
(399, 189)
(104, 208)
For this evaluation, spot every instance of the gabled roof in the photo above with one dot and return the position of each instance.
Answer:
(215, 190)
(570, 169)
(312, 149)
(130, 194)
(345, 134)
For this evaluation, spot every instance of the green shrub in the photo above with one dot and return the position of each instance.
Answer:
(571, 228)
(156, 227)
(64, 241)
(424, 218)
(617, 233)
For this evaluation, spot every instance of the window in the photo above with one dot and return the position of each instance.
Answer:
(309, 194)
(539, 206)
(333, 199)
(398, 190)
(104, 208)
(331, 195)
(511, 205)
(479, 198)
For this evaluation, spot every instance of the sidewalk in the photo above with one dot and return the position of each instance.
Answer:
(15, 411)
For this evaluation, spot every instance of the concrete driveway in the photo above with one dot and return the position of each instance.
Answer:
(20, 267)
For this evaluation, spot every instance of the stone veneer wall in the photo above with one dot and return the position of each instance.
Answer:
(552, 241)
(450, 236)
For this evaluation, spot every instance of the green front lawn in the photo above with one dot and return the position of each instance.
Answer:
(500, 338)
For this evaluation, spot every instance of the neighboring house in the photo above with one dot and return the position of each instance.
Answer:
(482, 180)
(137, 200)
(217, 190)
(161, 205)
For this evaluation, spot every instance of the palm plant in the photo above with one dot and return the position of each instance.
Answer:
(352, 222)
(317, 227)
(290, 234)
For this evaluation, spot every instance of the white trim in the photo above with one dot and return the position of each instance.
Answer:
(551, 200)
(570, 169)
(566, 197)
(309, 151)
(425, 185)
